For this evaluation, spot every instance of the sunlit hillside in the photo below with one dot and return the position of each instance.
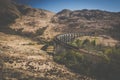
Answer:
(37, 44)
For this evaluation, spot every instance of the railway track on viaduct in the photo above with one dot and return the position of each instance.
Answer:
(61, 43)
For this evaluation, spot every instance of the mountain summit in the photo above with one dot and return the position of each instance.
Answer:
(87, 20)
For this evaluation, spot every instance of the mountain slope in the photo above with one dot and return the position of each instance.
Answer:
(41, 23)
(85, 20)
(33, 21)
(23, 20)
(22, 59)
(8, 12)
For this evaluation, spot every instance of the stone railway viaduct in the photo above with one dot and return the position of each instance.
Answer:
(61, 44)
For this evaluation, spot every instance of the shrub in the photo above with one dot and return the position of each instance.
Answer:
(73, 60)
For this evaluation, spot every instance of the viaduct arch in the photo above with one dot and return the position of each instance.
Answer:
(61, 44)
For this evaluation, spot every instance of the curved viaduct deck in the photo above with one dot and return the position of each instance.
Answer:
(61, 43)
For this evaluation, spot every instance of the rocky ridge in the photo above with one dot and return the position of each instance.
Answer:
(87, 20)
